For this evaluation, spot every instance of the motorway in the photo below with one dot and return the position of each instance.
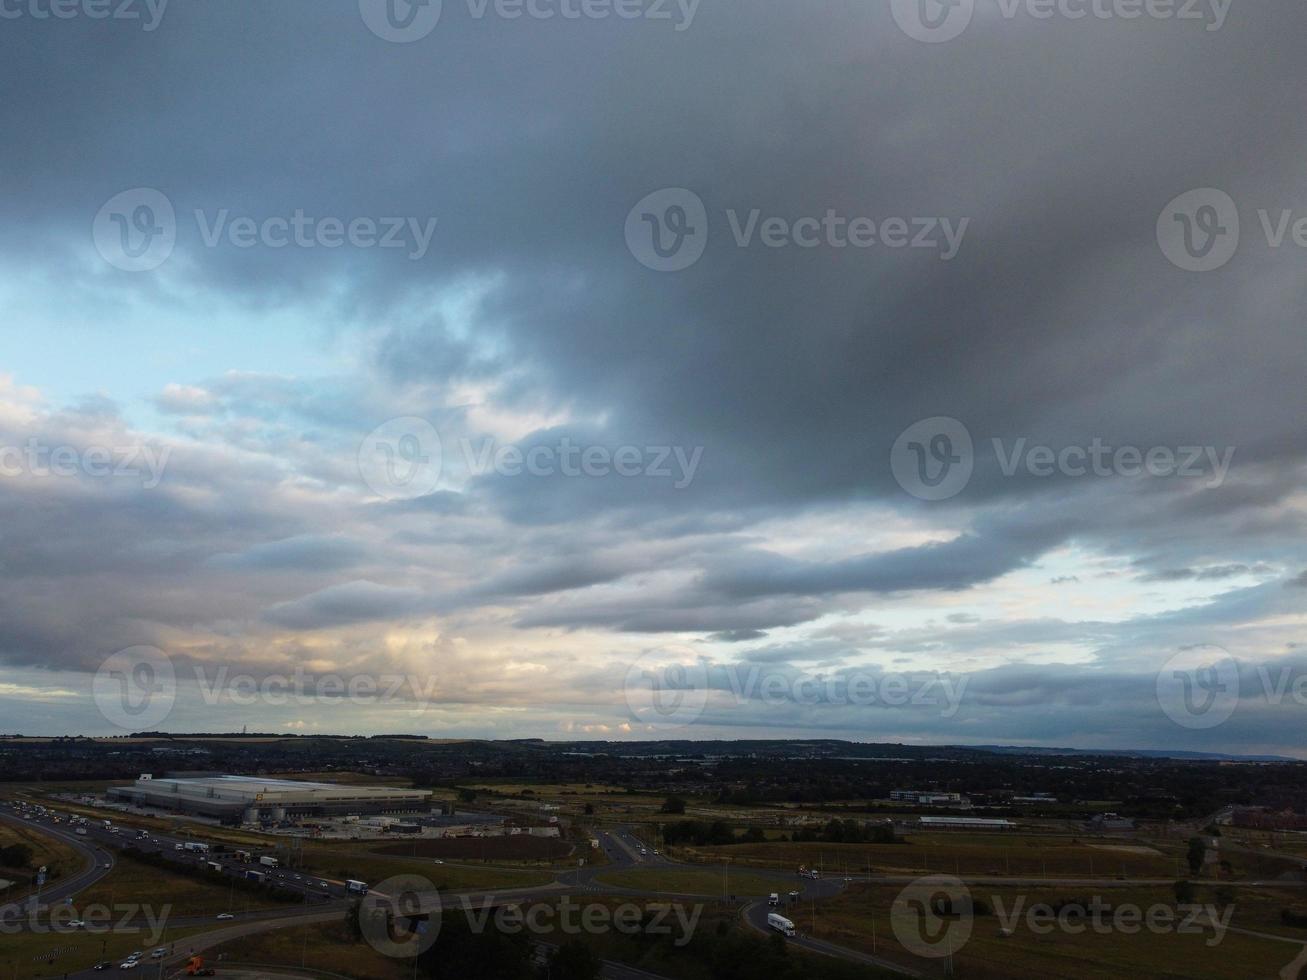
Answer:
(326, 900)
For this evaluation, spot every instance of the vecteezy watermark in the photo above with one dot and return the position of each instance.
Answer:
(1200, 231)
(41, 461)
(129, 918)
(1201, 687)
(135, 689)
(1198, 688)
(136, 231)
(667, 692)
(937, 21)
(138, 687)
(403, 459)
(932, 917)
(406, 21)
(935, 916)
(935, 459)
(667, 231)
(401, 917)
(148, 13)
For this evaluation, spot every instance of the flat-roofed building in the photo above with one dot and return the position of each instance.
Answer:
(963, 823)
(258, 799)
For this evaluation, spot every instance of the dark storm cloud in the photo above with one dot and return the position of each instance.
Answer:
(1058, 322)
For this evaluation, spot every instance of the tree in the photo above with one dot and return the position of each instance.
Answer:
(1196, 854)
(467, 795)
(16, 856)
(1184, 893)
(674, 804)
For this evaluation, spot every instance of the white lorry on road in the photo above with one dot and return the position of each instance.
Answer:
(781, 924)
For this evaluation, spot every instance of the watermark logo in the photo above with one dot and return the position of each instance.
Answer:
(1199, 230)
(933, 916)
(136, 230)
(933, 21)
(135, 689)
(665, 694)
(94, 919)
(401, 21)
(41, 461)
(667, 231)
(933, 459)
(400, 917)
(149, 13)
(1075, 917)
(936, 21)
(1198, 688)
(401, 459)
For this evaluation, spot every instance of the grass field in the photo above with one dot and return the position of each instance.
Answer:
(1088, 953)
(677, 881)
(59, 858)
(964, 854)
(324, 946)
(132, 881)
(520, 848)
(348, 862)
(29, 955)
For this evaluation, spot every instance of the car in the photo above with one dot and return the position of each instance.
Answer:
(297, 877)
(106, 865)
(128, 965)
(437, 861)
(159, 953)
(226, 915)
(103, 965)
(77, 924)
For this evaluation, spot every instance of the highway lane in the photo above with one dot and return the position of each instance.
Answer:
(97, 861)
(755, 915)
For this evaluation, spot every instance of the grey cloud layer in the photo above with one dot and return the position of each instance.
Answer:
(1059, 321)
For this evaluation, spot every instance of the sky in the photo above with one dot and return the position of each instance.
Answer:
(891, 371)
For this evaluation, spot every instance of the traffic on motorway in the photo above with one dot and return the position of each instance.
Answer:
(102, 839)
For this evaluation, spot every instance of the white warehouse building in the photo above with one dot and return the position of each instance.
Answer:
(258, 799)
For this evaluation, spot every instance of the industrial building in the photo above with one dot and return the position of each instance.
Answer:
(963, 823)
(259, 800)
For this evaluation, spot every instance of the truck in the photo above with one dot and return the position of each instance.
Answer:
(356, 887)
(244, 855)
(773, 900)
(269, 862)
(196, 846)
(781, 924)
(214, 866)
(255, 875)
(195, 967)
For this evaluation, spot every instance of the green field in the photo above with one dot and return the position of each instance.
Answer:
(132, 881)
(861, 919)
(341, 862)
(29, 955)
(59, 858)
(961, 854)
